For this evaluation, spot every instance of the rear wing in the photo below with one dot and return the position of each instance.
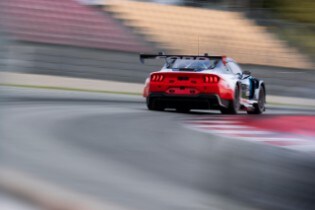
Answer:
(143, 57)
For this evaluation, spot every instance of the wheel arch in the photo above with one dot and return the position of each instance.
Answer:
(239, 85)
(261, 84)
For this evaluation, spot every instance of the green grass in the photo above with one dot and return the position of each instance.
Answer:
(68, 89)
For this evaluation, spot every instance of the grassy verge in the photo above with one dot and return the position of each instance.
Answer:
(69, 89)
(278, 104)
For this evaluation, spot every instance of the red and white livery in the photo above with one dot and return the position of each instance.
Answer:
(188, 82)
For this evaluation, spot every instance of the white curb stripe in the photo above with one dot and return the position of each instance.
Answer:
(227, 127)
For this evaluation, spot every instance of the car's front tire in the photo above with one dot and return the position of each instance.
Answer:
(260, 107)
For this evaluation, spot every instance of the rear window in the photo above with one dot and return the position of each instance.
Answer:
(183, 64)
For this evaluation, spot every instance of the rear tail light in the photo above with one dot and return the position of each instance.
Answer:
(211, 79)
(157, 78)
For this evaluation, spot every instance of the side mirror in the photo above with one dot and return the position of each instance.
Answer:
(247, 73)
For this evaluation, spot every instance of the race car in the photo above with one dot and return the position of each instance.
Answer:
(188, 82)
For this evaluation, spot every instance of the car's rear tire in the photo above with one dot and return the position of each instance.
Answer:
(259, 108)
(234, 105)
(183, 109)
(153, 105)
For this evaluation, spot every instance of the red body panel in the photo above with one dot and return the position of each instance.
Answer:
(187, 83)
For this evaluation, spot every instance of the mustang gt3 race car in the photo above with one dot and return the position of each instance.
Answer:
(188, 82)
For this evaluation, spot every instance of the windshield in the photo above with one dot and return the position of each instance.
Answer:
(191, 64)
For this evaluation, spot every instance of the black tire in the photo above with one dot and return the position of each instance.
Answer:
(234, 105)
(259, 108)
(183, 109)
(153, 105)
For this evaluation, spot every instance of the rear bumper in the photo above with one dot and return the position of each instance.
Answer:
(200, 101)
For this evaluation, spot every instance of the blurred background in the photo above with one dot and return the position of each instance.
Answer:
(102, 39)
(93, 46)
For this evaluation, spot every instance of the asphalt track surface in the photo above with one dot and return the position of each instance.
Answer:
(111, 147)
(8, 202)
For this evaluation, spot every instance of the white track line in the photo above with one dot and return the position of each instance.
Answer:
(222, 127)
(232, 131)
(213, 122)
(303, 148)
(48, 196)
(281, 139)
(10, 203)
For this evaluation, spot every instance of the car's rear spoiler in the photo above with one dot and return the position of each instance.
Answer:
(161, 55)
